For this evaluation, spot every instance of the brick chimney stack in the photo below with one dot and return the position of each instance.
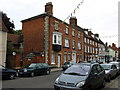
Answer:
(73, 21)
(49, 8)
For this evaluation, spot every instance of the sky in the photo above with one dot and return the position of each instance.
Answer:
(99, 16)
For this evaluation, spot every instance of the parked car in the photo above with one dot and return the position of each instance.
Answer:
(82, 76)
(6, 73)
(118, 66)
(110, 70)
(67, 64)
(35, 69)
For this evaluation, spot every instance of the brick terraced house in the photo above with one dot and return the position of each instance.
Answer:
(50, 40)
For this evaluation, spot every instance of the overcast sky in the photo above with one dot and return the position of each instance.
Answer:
(101, 16)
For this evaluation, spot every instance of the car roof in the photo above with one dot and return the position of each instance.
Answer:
(106, 64)
(88, 64)
(114, 62)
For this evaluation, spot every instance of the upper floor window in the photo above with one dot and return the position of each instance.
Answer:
(73, 44)
(67, 30)
(56, 25)
(86, 32)
(78, 34)
(67, 43)
(84, 39)
(73, 32)
(88, 49)
(79, 46)
(57, 38)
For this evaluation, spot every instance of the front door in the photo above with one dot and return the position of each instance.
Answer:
(59, 59)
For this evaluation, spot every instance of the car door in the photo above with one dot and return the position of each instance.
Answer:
(112, 70)
(38, 69)
(93, 77)
(44, 67)
(101, 74)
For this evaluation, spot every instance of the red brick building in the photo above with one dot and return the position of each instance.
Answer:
(91, 46)
(50, 40)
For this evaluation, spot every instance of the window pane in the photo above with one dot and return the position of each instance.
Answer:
(68, 57)
(65, 57)
(55, 39)
(66, 43)
(53, 58)
(67, 30)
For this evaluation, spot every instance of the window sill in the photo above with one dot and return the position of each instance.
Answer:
(52, 63)
(67, 47)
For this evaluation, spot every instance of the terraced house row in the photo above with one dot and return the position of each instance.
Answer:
(53, 41)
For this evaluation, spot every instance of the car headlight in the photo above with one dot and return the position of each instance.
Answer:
(25, 70)
(80, 84)
(56, 81)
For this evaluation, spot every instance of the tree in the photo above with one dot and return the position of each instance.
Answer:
(9, 25)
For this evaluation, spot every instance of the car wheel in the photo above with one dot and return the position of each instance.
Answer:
(32, 74)
(48, 72)
(103, 84)
(12, 76)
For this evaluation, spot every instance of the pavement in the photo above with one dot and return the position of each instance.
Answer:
(56, 69)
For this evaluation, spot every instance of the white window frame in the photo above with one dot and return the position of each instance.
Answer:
(73, 43)
(79, 45)
(58, 38)
(53, 58)
(67, 44)
(73, 32)
(67, 30)
(65, 57)
(78, 34)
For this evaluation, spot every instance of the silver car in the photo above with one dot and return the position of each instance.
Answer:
(118, 66)
(110, 70)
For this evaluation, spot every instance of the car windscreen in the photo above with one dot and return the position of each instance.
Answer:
(32, 65)
(106, 66)
(78, 70)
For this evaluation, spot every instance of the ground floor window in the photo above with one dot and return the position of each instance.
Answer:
(53, 58)
(65, 57)
(68, 57)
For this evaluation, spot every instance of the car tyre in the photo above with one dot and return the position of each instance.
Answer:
(12, 76)
(32, 74)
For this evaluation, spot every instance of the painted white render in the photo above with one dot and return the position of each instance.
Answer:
(3, 43)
